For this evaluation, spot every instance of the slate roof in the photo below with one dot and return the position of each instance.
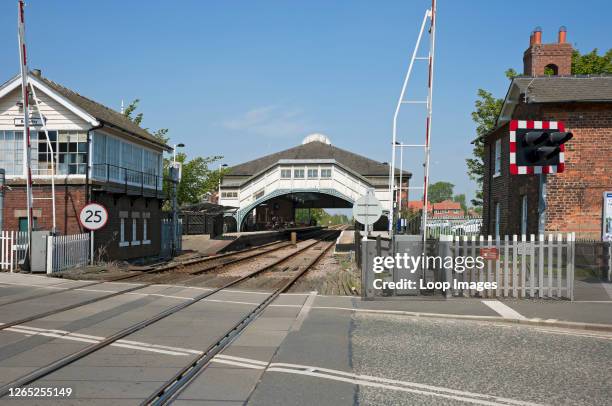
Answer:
(315, 150)
(100, 112)
(575, 88)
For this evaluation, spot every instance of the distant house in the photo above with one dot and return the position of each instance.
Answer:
(98, 155)
(417, 205)
(447, 208)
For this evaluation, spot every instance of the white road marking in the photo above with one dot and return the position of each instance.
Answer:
(367, 380)
(84, 338)
(503, 310)
(299, 320)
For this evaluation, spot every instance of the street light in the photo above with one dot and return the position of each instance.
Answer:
(219, 194)
(181, 145)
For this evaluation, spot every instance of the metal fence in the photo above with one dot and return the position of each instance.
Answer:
(67, 251)
(13, 249)
(166, 237)
(528, 266)
(437, 226)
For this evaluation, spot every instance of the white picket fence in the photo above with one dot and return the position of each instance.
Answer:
(13, 249)
(541, 266)
(67, 251)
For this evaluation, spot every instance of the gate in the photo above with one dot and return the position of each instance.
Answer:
(67, 251)
(13, 249)
(530, 267)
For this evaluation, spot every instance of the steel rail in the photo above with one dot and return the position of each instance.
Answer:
(181, 379)
(69, 359)
(96, 299)
(191, 262)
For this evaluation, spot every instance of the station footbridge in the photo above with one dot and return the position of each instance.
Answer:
(267, 191)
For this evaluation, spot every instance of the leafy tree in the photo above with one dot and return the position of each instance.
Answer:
(591, 63)
(485, 116)
(487, 109)
(440, 191)
(197, 178)
(461, 200)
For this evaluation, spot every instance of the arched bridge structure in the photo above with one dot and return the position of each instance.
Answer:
(312, 175)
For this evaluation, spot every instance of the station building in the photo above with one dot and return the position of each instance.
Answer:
(100, 156)
(267, 191)
(548, 91)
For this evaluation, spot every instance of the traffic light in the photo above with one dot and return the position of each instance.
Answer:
(537, 146)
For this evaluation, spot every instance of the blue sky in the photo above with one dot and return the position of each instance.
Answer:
(246, 78)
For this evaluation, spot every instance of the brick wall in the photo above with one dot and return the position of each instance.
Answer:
(70, 199)
(538, 56)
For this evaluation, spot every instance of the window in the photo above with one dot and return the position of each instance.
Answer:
(285, 173)
(145, 228)
(135, 240)
(113, 159)
(313, 173)
(11, 152)
(497, 171)
(122, 241)
(71, 152)
(229, 195)
(497, 218)
(259, 194)
(298, 173)
(524, 215)
(326, 173)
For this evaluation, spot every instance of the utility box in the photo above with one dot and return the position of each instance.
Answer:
(39, 251)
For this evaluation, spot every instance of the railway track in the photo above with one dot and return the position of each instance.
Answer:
(313, 250)
(193, 266)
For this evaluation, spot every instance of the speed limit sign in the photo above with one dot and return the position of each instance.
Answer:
(93, 216)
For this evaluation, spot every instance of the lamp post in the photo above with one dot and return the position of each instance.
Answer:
(174, 176)
(219, 193)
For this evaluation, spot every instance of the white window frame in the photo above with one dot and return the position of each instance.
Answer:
(135, 217)
(326, 169)
(524, 215)
(313, 170)
(497, 218)
(145, 228)
(285, 170)
(497, 158)
(300, 170)
(122, 241)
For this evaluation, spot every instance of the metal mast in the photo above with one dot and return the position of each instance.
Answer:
(429, 15)
(23, 62)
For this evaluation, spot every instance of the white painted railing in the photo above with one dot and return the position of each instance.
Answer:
(13, 249)
(522, 267)
(67, 251)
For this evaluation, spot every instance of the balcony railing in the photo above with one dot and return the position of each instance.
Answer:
(127, 177)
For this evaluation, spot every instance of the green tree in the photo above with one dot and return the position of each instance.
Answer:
(461, 200)
(197, 177)
(591, 63)
(440, 191)
(485, 117)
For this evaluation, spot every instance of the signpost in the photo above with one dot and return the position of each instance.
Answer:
(367, 210)
(607, 217)
(93, 217)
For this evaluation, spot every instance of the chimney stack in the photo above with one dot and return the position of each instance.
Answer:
(531, 39)
(562, 34)
(537, 36)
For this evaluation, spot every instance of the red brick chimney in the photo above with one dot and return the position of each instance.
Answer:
(540, 59)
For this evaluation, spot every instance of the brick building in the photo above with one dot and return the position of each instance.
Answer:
(548, 91)
(98, 155)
